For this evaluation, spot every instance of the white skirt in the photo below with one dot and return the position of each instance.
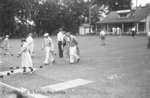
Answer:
(26, 60)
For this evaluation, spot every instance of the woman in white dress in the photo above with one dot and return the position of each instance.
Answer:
(26, 61)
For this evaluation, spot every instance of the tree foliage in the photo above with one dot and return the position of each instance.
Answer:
(49, 15)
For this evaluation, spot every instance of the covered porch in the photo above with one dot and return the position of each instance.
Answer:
(125, 28)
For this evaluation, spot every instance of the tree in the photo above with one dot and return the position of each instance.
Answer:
(19, 17)
(115, 4)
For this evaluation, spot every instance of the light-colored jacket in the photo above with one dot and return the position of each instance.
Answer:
(48, 43)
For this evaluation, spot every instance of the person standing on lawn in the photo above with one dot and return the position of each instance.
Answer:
(1, 39)
(73, 49)
(26, 60)
(60, 37)
(48, 46)
(148, 45)
(5, 45)
(133, 32)
(102, 36)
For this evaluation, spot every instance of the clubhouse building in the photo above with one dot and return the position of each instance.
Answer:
(138, 18)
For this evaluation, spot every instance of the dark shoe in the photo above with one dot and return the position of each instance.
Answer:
(11, 68)
(17, 67)
(41, 66)
(8, 74)
(53, 61)
(24, 69)
(46, 64)
(31, 69)
(1, 76)
(11, 71)
(12, 54)
(78, 60)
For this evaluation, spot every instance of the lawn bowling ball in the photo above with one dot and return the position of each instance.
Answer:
(1, 76)
(8, 74)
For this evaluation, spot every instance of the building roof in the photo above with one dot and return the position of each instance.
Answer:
(132, 16)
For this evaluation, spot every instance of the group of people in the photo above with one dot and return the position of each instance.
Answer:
(68, 46)
(67, 49)
(116, 31)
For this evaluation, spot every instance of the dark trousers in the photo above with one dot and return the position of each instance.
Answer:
(133, 33)
(148, 45)
(60, 50)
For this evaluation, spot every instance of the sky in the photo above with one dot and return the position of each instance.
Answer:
(140, 2)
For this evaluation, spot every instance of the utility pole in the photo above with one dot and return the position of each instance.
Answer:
(136, 3)
(90, 15)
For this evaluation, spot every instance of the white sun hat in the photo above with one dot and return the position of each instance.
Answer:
(46, 34)
(7, 36)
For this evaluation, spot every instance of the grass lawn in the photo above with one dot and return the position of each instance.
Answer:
(121, 69)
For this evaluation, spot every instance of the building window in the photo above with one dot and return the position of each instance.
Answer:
(123, 15)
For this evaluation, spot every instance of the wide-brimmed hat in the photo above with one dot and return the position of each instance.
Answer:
(7, 36)
(46, 34)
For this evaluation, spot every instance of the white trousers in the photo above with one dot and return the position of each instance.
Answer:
(73, 54)
(0, 56)
(49, 55)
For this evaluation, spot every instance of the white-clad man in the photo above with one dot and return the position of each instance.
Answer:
(102, 36)
(1, 40)
(148, 45)
(133, 31)
(48, 46)
(60, 38)
(6, 46)
(114, 30)
(30, 42)
(118, 31)
(73, 49)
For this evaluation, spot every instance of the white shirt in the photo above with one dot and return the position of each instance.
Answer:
(102, 33)
(6, 43)
(60, 36)
(148, 34)
(133, 29)
(114, 29)
(73, 40)
(48, 42)
(29, 40)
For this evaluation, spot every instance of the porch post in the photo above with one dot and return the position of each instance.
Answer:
(96, 28)
(106, 28)
(137, 27)
(122, 31)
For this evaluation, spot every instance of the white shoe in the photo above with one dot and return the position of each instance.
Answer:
(1, 62)
(46, 63)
